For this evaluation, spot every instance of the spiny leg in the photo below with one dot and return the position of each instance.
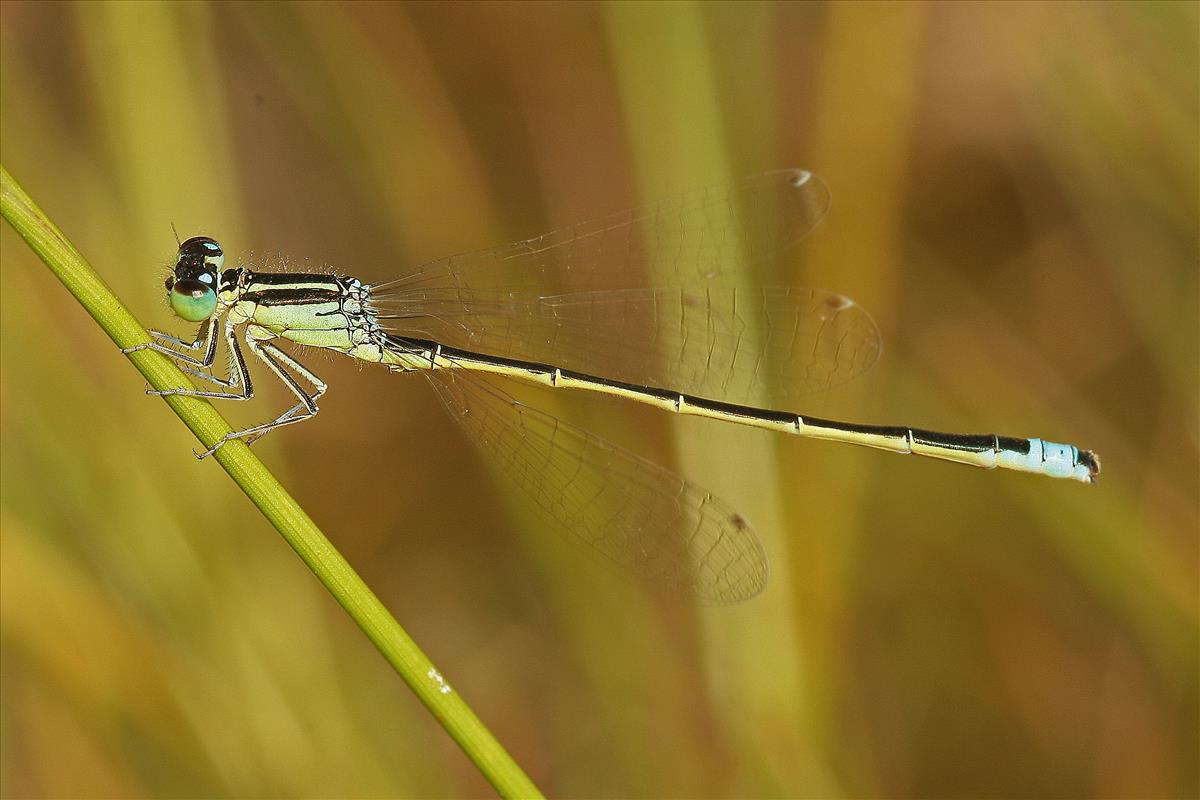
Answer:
(239, 376)
(207, 342)
(228, 383)
(272, 356)
(307, 406)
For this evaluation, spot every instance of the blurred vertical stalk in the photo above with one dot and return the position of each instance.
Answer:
(869, 59)
(666, 71)
(330, 567)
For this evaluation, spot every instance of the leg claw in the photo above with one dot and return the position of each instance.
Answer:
(217, 446)
(209, 451)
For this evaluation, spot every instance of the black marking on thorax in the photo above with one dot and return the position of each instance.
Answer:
(320, 288)
(231, 279)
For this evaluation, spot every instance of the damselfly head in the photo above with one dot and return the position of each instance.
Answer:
(192, 287)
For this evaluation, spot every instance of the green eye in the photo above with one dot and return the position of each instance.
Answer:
(193, 300)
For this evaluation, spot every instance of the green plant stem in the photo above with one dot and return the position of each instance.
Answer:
(265, 491)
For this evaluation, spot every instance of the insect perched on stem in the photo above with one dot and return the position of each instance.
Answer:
(647, 305)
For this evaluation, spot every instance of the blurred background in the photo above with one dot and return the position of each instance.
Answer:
(1015, 201)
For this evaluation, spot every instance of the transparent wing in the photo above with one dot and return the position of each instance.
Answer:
(649, 296)
(649, 521)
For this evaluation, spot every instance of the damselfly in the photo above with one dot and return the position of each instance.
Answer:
(649, 304)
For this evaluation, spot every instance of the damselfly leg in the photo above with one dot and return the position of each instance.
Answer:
(239, 375)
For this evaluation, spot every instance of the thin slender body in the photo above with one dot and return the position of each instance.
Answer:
(421, 323)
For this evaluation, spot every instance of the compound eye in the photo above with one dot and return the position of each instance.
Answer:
(202, 250)
(192, 300)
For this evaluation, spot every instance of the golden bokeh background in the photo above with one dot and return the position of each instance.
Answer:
(1015, 201)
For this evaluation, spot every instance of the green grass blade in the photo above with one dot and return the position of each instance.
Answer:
(269, 495)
